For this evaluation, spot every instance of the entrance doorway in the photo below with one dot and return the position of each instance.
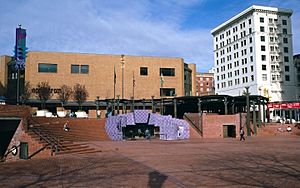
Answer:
(137, 131)
(229, 131)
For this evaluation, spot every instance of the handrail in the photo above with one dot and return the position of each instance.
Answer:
(193, 124)
(47, 137)
(3, 159)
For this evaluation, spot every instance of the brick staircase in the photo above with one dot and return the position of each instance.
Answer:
(81, 130)
(193, 119)
(271, 129)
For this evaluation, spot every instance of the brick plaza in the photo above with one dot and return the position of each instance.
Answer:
(258, 162)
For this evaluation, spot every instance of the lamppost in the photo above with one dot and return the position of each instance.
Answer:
(97, 107)
(122, 66)
(248, 111)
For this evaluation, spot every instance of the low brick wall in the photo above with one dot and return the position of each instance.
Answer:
(213, 124)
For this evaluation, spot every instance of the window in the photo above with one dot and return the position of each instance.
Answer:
(270, 20)
(252, 78)
(249, 21)
(143, 71)
(262, 29)
(84, 69)
(263, 57)
(262, 38)
(250, 30)
(286, 50)
(273, 77)
(286, 59)
(273, 67)
(75, 69)
(44, 67)
(287, 78)
(79, 69)
(167, 92)
(263, 48)
(285, 40)
(250, 39)
(263, 67)
(284, 31)
(264, 77)
(284, 22)
(167, 71)
(286, 68)
(251, 49)
(271, 29)
(261, 20)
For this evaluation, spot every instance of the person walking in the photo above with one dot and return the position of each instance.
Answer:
(242, 133)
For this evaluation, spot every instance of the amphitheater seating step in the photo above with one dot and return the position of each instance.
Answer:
(80, 130)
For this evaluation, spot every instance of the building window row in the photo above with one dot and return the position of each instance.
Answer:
(244, 52)
(79, 69)
(167, 71)
(167, 92)
(47, 67)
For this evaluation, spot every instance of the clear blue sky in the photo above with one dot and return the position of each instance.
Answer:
(172, 28)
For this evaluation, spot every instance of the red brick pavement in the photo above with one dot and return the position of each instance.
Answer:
(257, 162)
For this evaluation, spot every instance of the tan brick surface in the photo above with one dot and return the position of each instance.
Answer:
(100, 80)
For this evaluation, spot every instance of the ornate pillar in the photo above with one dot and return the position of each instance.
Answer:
(248, 112)
(259, 112)
(254, 117)
(225, 105)
(143, 101)
(118, 104)
(152, 103)
(175, 107)
(200, 116)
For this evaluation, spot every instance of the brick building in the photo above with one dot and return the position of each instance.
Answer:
(106, 76)
(205, 84)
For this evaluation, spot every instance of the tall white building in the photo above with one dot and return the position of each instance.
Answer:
(254, 48)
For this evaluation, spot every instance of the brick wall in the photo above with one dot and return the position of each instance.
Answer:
(100, 79)
(22, 136)
(213, 124)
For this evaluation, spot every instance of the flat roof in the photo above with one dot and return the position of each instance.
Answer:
(249, 10)
(116, 55)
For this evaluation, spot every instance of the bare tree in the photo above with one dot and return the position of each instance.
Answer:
(80, 94)
(27, 93)
(65, 94)
(44, 92)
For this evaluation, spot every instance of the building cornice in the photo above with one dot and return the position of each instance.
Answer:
(251, 10)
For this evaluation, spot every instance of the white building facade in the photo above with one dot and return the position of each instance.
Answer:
(254, 48)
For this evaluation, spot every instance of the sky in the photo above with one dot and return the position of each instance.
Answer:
(167, 28)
